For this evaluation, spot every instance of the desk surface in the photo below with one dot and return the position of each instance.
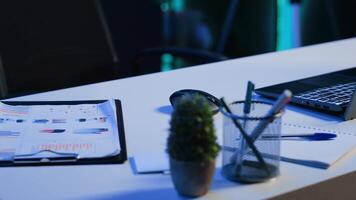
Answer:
(145, 107)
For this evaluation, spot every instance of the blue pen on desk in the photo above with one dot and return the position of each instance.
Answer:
(315, 136)
(312, 136)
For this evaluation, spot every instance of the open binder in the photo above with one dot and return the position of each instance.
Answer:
(52, 157)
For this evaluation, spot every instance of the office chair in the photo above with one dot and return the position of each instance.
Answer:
(48, 45)
(198, 55)
(224, 42)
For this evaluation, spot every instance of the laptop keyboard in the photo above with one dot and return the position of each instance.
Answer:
(339, 94)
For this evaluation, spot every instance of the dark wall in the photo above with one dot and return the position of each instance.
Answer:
(327, 20)
(135, 25)
(46, 45)
(53, 44)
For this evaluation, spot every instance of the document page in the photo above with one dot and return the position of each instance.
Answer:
(317, 153)
(85, 130)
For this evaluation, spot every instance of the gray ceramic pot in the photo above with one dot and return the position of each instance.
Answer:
(192, 179)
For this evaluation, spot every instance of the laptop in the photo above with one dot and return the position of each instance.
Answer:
(332, 92)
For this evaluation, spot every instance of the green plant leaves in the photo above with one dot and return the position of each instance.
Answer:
(192, 133)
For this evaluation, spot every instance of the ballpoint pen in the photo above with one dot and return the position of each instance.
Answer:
(246, 110)
(260, 127)
(311, 136)
(247, 104)
(282, 100)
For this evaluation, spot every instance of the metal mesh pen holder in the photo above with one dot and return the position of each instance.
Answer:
(242, 161)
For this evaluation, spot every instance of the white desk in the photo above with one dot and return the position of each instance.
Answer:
(146, 127)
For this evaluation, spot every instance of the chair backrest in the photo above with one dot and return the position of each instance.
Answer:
(54, 44)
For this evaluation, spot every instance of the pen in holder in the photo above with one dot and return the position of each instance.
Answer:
(247, 158)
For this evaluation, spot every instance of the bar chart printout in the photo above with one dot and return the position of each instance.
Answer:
(86, 130)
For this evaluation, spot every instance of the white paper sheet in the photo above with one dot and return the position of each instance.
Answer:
(317, 154)
(321, 154)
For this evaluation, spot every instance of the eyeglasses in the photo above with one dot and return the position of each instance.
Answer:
(214, 102)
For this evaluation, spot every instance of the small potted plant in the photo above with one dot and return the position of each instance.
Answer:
(192, 146)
